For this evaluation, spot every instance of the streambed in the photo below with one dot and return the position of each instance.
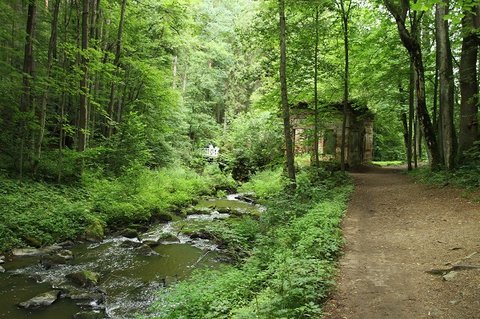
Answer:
(131, 269)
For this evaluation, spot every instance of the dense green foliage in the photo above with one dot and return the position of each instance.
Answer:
(107, 109)
(36, 213)
(290, 267)
(466, 176)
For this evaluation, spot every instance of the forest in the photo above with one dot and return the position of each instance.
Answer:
(110, 110)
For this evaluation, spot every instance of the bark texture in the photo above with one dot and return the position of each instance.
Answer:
(468, 85)
(445, 70)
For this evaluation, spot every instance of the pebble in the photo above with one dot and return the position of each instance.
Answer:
(450, 276)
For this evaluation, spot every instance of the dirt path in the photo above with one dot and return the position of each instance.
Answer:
(395, 232)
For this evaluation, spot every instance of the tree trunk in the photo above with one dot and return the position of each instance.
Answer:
(468, 85)
(415, 142)
(290, 161)
(345, 13)
(175, 71)
(445, 69)
(436, 124)
(116, 63)
(412, 44)
(43, 111)
(406, 137)
(83, 112)
(411, 115)
(315, 93)
(26, 102)
(404, 118)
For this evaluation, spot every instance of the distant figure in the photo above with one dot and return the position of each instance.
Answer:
(212, 151)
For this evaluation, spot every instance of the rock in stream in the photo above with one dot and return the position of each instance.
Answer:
(42, 300)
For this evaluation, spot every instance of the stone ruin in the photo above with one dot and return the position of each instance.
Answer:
(358, 137)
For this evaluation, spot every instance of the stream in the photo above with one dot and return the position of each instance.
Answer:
(131, 270)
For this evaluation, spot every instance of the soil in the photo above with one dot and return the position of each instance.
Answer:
(402, 242)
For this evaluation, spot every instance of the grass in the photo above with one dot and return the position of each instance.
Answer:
(290, 260)
(387, 163)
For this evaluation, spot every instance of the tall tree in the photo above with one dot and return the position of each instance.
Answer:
(116, 63)
(26, 103)
(411, 42)
(446, 130)
(43, 110)
(468, 82)
(83, 112)
(411, 114)
(290, 161)
(316, 159)
(345, 16)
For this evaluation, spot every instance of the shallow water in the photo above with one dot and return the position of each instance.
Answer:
(128, 278)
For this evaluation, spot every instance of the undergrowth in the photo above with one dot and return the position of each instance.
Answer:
(289, 268)
(466, 176)
(37, 213)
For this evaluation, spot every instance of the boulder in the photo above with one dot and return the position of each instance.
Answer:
(65, 254)
(59, 258)
(2, 270)
(2, 260)
(246, 198)
(51, 249)
(146, 250)
(49, 261)
(197, 211)
(84, 278)
(223, 210)
(168, 237)
(130, 244)
(28, 252)
(202, 234)
(94, 231)
(151, 243)
(161, 216)
(35, 252)
(66, 244)
(129, 233)
(32, 241)
(238, 212)
(43, 300)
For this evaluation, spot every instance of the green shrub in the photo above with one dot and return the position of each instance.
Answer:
(35, 213)
(247, 149)
(265, 184)
(290, 267)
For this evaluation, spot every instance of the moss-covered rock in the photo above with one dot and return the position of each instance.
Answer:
(94, 231)
(84, 278)
(196, 210)
(42, 300)
(32, 241)
(147, 251)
